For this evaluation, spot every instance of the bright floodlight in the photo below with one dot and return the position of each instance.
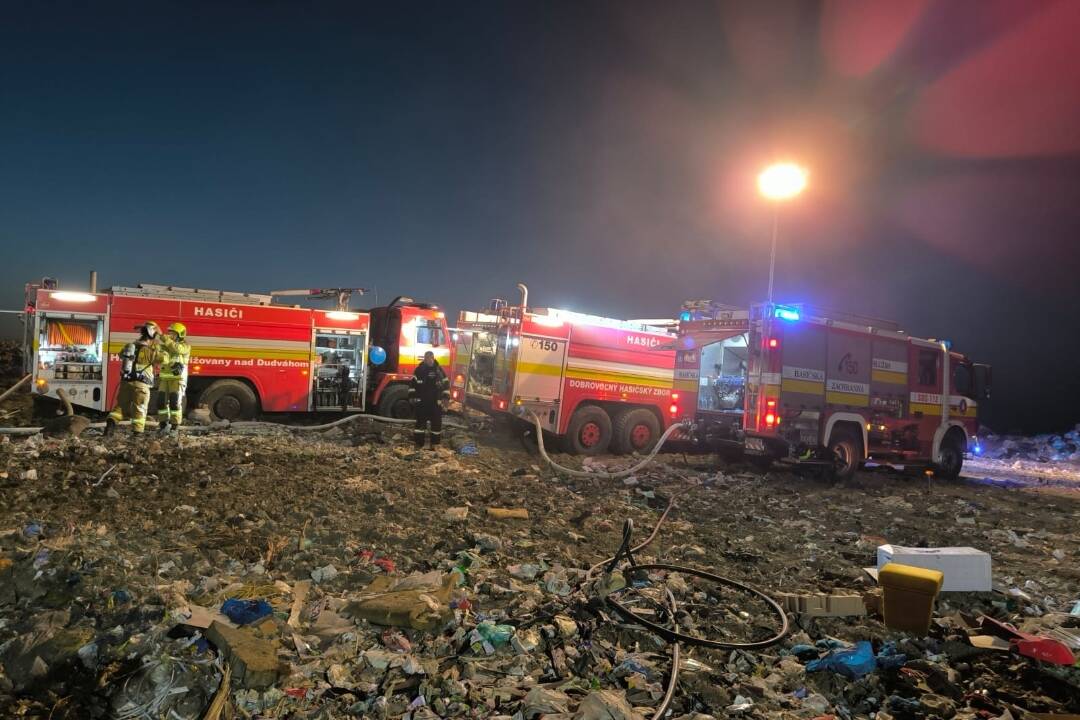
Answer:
(781, 181)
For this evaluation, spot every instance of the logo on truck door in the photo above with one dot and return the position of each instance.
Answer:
(848, 365)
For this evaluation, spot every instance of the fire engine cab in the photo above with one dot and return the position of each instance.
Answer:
(840, 390)
(248, 354)
(711, 357)
(598, 384)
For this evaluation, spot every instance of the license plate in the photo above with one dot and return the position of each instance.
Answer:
(755, 445)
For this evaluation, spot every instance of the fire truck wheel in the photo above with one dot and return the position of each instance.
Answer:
(952, 458)
(634, 431)
(230, 400)
(847, 451)
(394, 403)
(589, 432)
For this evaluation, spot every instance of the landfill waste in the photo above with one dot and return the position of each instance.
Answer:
(852, 664)
(114, 596)
(243, 612)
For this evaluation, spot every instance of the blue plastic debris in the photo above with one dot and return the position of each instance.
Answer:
(119, 597)
(633, 665)
(902, 704)
(243, 612)
(831, 644)
(801, 694)
(889, 659)
(32, 530)
(805, 652)
(852, 664)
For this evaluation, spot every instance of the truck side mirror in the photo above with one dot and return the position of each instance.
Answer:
(983, 381)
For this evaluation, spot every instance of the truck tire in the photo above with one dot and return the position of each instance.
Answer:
(230, 400)
(634, 431)
(589, 432)
(952, 457)
(847, 450)
(394, 403)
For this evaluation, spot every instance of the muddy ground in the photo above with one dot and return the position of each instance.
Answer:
(107, 543)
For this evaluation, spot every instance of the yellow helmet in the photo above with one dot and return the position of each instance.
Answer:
(180, 329)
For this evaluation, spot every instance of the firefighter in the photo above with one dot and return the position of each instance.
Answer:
(136, 379)
(429, 393)
(344, 385)
(172, 380)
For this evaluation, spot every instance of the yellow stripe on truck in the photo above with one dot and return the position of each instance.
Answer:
(539, 369)
(887, 376)
(204, 351)
(842, 398)
(932, 409)
(808, 387)
(618, 378)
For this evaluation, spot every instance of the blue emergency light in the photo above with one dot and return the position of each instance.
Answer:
(684, 316)
(786, 313)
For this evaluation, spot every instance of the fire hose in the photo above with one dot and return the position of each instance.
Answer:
(602, 473)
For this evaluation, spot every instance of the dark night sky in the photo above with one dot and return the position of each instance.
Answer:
(602, 152)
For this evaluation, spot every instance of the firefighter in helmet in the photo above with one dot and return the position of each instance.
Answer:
(172, 380)
(429, 392)
(137, 362)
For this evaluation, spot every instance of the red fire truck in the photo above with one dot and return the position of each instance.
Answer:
(711, 357)
(595, 383)
(840, 390)
(248, 354)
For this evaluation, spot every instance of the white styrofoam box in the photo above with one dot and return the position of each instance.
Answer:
(966, 569)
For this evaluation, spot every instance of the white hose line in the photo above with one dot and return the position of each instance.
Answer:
(602, 473)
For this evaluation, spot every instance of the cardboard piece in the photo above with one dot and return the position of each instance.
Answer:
(965, 568)
(821, 605)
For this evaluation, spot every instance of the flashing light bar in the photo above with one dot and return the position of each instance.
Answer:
(786, 313)
(65, 296)
(341, 315)
(576, 317)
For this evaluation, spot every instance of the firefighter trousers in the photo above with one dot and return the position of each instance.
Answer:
(132, 401)
(428, 413)
(171, 402)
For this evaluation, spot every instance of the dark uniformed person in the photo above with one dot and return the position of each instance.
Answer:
(429, 391)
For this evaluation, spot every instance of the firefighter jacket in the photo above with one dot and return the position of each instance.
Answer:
(429, 384)
(175, 356)
(137, 362)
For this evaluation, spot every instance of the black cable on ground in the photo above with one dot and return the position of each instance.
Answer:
(673, 636)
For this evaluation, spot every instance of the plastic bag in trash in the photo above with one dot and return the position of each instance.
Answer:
(852, 664)
(243, 612)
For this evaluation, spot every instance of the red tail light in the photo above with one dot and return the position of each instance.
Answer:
(674, 409)
(674, 396)
(771, 419)
(773, 343)
(454, 394)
